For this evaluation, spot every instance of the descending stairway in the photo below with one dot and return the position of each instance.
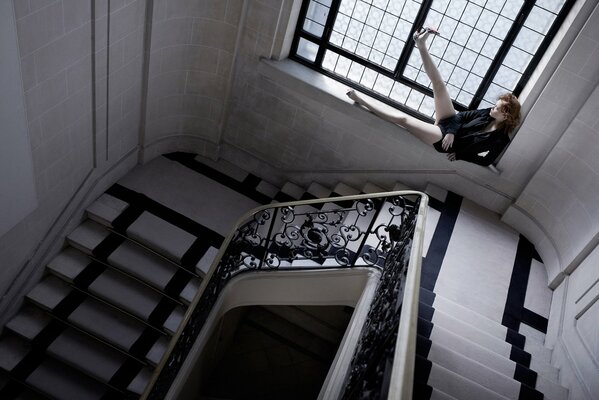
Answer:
(100, 320)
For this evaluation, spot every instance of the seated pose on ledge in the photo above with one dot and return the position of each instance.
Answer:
(477, 136)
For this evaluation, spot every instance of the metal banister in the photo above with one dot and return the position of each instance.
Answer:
(381, 230)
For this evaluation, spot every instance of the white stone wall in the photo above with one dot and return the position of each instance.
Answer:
(192, 47)
(576, 346)
(70, 154)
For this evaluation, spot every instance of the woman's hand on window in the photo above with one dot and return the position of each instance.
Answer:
(451, 157)
(447, 141)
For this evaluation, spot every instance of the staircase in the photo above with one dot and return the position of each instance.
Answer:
(98, 323)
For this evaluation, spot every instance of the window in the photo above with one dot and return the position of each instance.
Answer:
(486, 47)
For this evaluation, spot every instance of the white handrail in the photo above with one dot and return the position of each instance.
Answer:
(402, 373)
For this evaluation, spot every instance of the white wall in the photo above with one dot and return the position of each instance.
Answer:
(17, 186)
(74, 145)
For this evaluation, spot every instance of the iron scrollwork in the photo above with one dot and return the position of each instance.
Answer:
(372, 232)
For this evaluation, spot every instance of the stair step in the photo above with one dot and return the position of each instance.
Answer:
(497, 362)
(345, 190)
(161, 236)
(299, 336)
(87, 236)
(470, 332)
(318, 191)
(151, 268)
(72, 346)
(422, 391)
(451, 383)
(473, 318)
(308, 322)
(105, 209)
(483, 323)
(225, 167)
(472, 370)
(62, 382)
(12, 351)
(267, 189)
(400, 186)
(132, 296)
(116, 288)
(370, 187)
(293, 190)
(91, 315)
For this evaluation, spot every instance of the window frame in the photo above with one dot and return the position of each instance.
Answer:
(324, 44)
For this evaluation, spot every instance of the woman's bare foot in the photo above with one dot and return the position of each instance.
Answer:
(353, 95)
(421, 35)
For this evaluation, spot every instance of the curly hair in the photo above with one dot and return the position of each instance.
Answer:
(511, 110)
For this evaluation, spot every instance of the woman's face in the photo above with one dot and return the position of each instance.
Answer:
(496, 111)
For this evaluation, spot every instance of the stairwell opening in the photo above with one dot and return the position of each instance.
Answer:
(271, 352)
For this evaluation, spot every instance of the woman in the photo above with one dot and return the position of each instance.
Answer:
(476, 136)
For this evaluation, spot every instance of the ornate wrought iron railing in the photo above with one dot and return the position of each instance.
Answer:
(382, 231)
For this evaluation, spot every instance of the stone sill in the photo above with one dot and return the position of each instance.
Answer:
(323, 89)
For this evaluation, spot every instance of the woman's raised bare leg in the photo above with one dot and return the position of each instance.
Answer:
(428, 133)
(443, 105)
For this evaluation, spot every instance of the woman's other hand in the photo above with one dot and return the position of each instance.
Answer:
(447, 141)
(451, 157)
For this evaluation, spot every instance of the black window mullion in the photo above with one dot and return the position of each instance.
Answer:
(534, 62)
(299, 27)
(328, 30)
(502, 53)
(418, 22)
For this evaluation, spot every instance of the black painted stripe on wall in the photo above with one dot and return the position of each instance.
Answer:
(247, 187)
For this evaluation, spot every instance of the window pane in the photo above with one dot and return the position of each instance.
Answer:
(507, 77)
(528, 40)
(551, 5)
(313, 27)
(317, 12)
(539, 20)
(307, 50)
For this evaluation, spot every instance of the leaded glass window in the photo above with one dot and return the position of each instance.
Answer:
(486, 47)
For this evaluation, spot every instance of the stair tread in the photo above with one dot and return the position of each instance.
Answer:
(157, 351)
(225, 167)
(267, 189)
(454, 384)
(496, 361)
(12, 351)
(370, 187)
(203, 266)
(161, 236)
(293, 190)
(87, 236)
(69, 263)
(319, 191)
(49, 292)
(190, 290)
(106, 209)
(488, 377)
(307, 321)
(140, 382)
(62, 382)
(88, 355)
(345, 190)
(474, 318)
(473, 370)
(107, 324)
(29, 321)
(143, 264)
(476, 335)
(125, 293)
